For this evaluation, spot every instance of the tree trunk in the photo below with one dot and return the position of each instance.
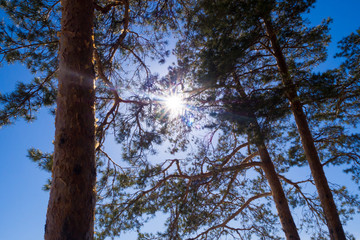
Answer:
(281, 203)
(327, 201)
(71, 208)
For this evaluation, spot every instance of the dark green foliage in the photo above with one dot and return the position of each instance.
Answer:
(227, 50)
(26, 100)
(192, 193)
(44, 161)
(349, 47)
(333, 105)
(228, 41)
(29, 36)
(230, 80)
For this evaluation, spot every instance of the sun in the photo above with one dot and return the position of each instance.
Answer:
(175, 105)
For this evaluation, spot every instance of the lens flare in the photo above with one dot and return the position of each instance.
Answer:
(175, 105)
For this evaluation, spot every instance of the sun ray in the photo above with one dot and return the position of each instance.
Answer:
(174, 104)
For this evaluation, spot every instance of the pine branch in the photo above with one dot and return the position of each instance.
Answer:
(232, 216)
(109, 6)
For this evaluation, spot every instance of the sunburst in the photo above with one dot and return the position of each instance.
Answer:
(174, 104)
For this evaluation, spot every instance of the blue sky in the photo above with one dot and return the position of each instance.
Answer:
(22, 201)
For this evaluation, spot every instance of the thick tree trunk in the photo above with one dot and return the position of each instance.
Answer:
(327, 201)
(281, 203)
(71, 208)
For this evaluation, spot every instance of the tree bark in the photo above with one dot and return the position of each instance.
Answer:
(326, 198)
(281, 203)
(71, 207)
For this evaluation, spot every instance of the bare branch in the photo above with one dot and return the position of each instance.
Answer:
(308, 201)
(232, 216)
(108, 7)
(122, 36)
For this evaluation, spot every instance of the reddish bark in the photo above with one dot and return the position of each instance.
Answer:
(71, 208)
(327, 201)
(277, 191)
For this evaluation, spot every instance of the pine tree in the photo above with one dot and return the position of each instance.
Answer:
(327, 201)
(71, 206)
(243, 111)
(270, 38)
(287, 222)
(202, 195)
(95, 39)
(264, 41)
(215, 47)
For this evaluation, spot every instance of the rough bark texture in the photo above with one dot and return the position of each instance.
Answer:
(70, 213)
(327, 201)
(281, 203)
(277, 191)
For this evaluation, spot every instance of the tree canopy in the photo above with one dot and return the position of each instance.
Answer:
(224, 164)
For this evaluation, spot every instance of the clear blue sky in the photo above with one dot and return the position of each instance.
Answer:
(22, 202)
